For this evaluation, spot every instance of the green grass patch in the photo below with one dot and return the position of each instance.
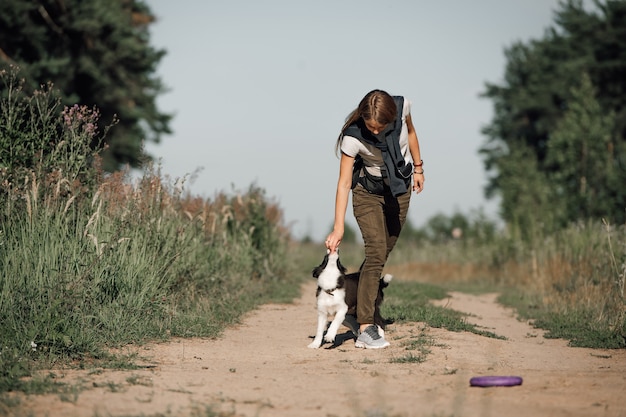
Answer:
(417, 348)
(577, 325)
(407, 301)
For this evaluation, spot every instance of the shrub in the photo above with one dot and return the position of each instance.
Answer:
(91, 260)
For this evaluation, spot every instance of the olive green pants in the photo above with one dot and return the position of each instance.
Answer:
(380, 218)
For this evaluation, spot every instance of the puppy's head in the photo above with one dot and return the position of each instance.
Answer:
(333, 258)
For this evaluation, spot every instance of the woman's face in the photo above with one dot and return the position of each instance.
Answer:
(374, 127)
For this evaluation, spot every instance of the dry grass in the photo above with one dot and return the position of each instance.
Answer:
(440, 272)
(574, 278)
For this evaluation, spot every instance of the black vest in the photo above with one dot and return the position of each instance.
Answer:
(396, 172)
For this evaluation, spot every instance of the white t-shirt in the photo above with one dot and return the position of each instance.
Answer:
(372, 156)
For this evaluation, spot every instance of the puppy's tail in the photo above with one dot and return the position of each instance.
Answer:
(386, 279)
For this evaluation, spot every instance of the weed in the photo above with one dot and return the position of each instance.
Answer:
(409, 358)
(420, 343)
(450, 371)
(139, 380)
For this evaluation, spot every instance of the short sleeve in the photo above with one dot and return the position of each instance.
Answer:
(350, 146)
(406, 108)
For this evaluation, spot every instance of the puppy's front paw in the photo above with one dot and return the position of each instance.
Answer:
(314, 345)
(330, 339)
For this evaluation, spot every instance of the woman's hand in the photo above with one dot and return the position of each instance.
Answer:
(418, 182)
(333, 240)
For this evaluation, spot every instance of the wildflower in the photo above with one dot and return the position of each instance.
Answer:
(33, 346)
(90, 128)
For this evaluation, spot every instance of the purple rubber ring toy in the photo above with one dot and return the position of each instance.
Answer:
(495, 381)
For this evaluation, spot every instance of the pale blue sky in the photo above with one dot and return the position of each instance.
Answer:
(260, 90)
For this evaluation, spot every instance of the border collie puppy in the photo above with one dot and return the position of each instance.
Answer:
(330, 296)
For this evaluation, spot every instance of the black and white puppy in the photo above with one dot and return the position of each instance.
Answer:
(330, 297)
(336, 294)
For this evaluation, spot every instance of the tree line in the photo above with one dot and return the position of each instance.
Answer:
(556, 146)
(555, 150)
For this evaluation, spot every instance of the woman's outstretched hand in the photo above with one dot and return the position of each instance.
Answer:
(333, 241)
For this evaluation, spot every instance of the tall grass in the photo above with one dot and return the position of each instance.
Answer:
(91, 260)
(570, 282)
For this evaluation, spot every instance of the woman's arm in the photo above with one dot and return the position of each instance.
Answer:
(414, 148)
(344, 184)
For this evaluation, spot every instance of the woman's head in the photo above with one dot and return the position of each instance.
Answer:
(377, 109)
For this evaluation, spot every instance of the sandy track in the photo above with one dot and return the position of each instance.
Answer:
(263, 368)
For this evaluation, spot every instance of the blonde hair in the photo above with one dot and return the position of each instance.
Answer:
(377, 105)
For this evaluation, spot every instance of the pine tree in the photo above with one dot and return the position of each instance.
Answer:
(536, 95)
(96, 53)
(582, 151)
(527, 202)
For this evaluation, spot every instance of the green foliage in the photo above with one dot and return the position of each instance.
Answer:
(581, 331)
(556, 151)
(527, 201)
(28, 123)
(583, 156)
(440, 229)
(252, 217)
(408, 301)
(577, 324)
(92, 278)
(409, 358)
(350, 234)
(97, 54)
(91, 261)
(40, 147)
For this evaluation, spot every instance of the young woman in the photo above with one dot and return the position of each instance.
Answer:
(380, 162)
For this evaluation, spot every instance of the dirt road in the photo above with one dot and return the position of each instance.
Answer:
(263, 368)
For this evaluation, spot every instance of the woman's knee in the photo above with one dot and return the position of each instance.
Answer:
(376, 252)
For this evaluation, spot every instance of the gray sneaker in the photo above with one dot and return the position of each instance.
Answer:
(351, 323)
(370, 339)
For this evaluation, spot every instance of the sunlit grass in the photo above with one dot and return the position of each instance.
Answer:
(570, 283)
(92, 261)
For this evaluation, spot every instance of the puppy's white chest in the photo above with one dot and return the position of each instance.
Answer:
(331, 302)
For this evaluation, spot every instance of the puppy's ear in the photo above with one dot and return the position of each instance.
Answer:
(318, 270)
(342, 268)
